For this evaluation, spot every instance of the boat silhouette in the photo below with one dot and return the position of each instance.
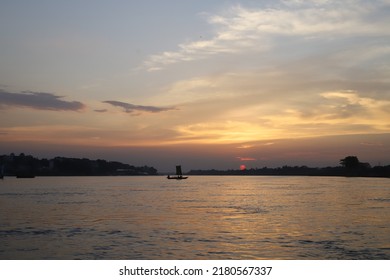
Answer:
(179, 174)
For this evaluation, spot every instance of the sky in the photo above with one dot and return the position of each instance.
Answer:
(206, 84)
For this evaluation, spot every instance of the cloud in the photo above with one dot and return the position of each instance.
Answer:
(38, 101)
(240, 29)
(371, 144)
(296, 99)
(245, 146)
(136, 109)
(345, 104)
(246, 158)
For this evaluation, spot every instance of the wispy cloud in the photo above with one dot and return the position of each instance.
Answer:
(246, 158)
(241, 29)
(137, 109)
(38, 101)
(245, 146)
(346, 104)
(371, 144)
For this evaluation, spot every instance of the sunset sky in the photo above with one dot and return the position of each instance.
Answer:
(206, 84)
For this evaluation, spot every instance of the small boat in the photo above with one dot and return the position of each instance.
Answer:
(179, 174)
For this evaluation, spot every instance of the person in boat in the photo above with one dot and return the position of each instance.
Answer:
(179, 174)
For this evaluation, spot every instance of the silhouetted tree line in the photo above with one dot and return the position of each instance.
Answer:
(349, 166)
(26, 165)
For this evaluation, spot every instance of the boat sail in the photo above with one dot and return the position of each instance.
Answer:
(179, 174)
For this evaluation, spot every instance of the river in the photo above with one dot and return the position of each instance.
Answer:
(203, 217)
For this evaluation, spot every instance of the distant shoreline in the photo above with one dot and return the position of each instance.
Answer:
(339, 171)
(27, 166)
(280, 175)
(198, 175)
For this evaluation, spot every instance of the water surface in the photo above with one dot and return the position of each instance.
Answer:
(203, 217)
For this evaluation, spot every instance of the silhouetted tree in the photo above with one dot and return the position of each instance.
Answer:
(354, 167)
(350, 162)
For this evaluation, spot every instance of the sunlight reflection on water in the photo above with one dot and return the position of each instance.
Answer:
(199, 218)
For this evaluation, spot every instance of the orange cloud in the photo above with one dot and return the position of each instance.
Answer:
(246, 159)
